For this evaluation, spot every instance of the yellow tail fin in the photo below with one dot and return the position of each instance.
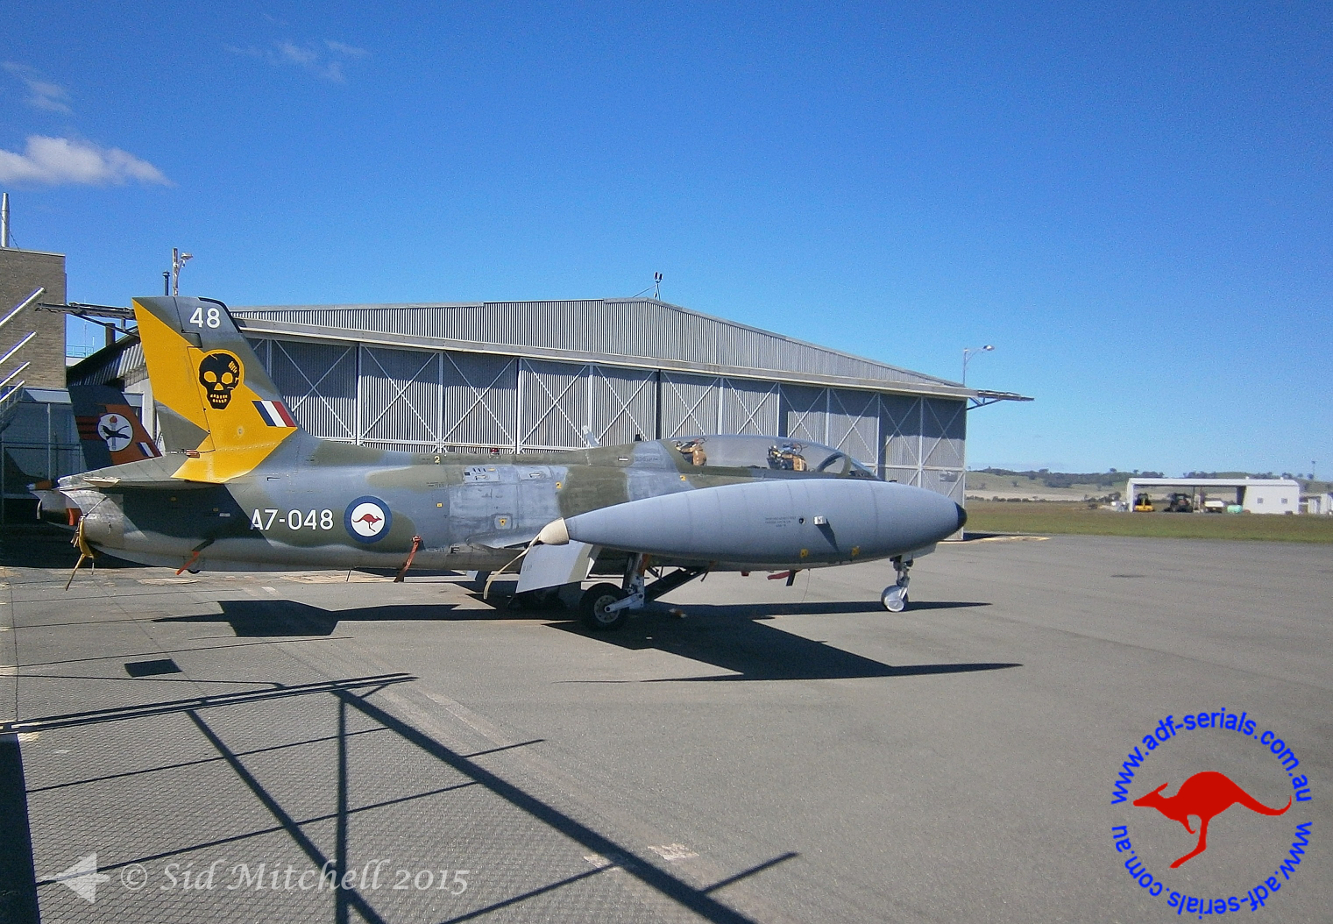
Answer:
(215, 400)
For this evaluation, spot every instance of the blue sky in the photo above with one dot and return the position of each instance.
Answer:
(1131, 201)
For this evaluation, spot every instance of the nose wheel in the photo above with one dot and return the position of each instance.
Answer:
(894, 597)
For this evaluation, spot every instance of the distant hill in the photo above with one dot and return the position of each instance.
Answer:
(1049, 479)
(1110, 478)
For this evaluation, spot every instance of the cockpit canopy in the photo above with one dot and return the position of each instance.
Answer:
(764, 452)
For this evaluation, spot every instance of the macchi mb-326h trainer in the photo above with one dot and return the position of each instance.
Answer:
(242, 487)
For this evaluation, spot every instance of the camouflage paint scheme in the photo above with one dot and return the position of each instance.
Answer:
(241, 486)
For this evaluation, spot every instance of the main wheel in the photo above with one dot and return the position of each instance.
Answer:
(894, 599)
(593, 604)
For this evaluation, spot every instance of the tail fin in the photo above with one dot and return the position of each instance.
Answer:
(109, 428)
(215, 400)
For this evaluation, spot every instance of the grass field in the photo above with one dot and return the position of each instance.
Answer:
(1052, 517)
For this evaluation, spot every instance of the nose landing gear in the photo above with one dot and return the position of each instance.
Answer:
(894, 597)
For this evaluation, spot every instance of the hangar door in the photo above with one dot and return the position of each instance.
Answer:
(396, 399)
(559, 400)
(701, 404)
(924, 441)
(839, 417)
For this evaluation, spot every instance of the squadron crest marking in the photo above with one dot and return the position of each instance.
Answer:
(219, 373)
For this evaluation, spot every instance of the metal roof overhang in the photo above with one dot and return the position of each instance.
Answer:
(1212, 482)
(317, 332)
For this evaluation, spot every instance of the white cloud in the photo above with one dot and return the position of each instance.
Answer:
(62, 161)
(42, 94)
(305, 57)
(350, 51)
(326, 63)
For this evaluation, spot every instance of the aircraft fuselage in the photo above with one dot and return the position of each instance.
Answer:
(332, 506)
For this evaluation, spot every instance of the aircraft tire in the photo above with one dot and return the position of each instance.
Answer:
(894, 599)
(593, 604)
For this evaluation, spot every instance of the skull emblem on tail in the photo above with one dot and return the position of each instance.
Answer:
(219, 373)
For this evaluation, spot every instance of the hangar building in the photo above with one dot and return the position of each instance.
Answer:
(1251, 495)
(514, 376)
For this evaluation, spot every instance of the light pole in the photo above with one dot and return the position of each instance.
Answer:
(178, 261)
(967, 356)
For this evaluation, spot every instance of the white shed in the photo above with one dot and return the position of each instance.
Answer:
(1317, 503)
(1277, 495)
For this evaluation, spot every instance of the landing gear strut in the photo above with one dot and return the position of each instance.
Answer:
(894, 597)
(605, 607)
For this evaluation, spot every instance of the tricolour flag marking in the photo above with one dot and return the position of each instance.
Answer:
(274, 414)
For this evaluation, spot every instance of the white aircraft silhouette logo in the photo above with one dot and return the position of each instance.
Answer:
(83, 878)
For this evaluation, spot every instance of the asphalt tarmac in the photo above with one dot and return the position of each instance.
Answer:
(270, 747)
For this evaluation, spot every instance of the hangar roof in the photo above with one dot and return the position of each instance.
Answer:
(628, 331)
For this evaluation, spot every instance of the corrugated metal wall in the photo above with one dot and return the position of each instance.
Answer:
(319, 384)
(480, 400)
(443, 400)
(689, 404)
(924, 442)
(400, 396)
(749, 407)
(553, 404)
(622, 404)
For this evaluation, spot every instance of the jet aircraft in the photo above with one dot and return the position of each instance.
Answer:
(242, 487)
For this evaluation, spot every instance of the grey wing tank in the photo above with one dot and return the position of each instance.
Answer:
(774, 524)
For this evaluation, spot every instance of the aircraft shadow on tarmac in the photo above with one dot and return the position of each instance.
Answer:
(740, 640)
(744, 641)
(329, 848)
(274, 618)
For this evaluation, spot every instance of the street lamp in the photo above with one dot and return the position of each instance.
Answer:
(178, 261)
(967, 356)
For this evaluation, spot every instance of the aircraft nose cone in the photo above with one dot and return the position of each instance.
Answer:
(962, 516)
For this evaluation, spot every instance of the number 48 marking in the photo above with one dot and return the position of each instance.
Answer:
(212, 318)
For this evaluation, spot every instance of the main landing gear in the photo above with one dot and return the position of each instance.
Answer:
(605, 607)
(894, 597)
